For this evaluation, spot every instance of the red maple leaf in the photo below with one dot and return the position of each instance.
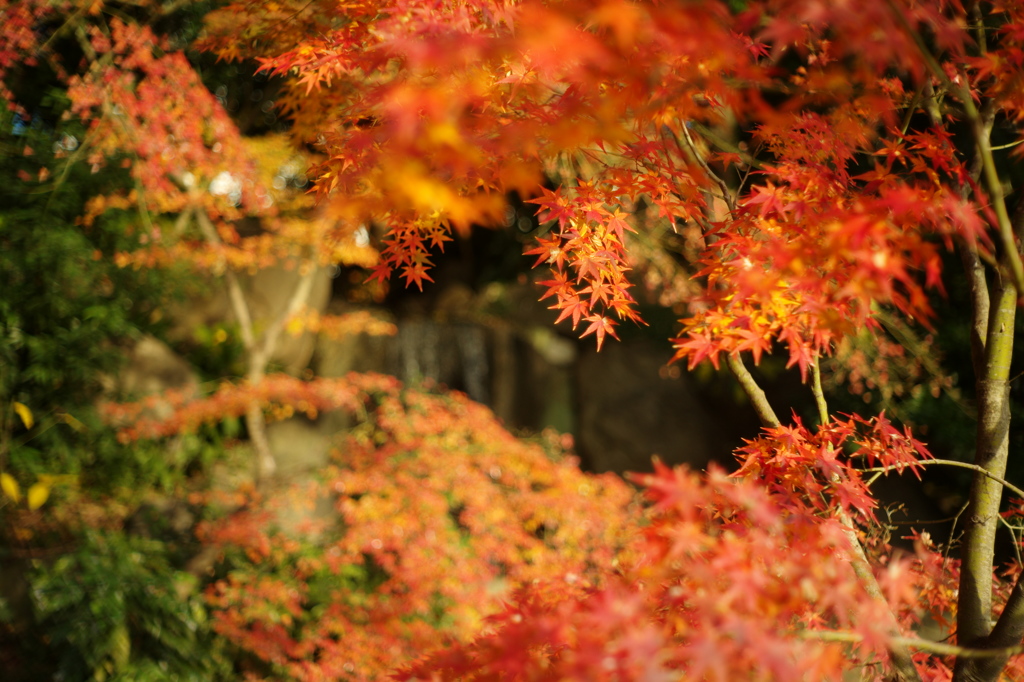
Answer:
(599, 326)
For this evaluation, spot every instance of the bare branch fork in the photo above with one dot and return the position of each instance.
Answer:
(258, 348)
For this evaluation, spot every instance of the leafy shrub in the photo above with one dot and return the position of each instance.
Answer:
(436, 513)
(114, 609)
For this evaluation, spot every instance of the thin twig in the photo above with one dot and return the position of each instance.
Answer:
(952, 529)
(952, 463)
(746, 172)
(939, 648)
(1013, 533)
(727, 146)
(730, 201)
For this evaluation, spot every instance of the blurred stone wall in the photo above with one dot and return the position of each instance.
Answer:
(499, 346)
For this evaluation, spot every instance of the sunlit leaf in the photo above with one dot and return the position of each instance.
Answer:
(10, 487)
(38, 493)
(25, 414)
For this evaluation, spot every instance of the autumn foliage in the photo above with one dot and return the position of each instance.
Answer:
(814, 154)
(791, 174)
(438, 513)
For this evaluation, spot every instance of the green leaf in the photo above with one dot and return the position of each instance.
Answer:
(120, 646)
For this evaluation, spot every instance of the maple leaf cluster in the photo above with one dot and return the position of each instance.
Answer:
(339, 326)
(734, 583)
(429, 118)
(536, 566)
(280, 395)
(792, 458)
(803, 263)
(440, 512)
(134, 101)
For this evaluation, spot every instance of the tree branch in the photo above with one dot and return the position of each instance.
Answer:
(978, 288)
(727, 146)
(757, 397)
(819, 394)
(974, 617)
(271, 335)
(727, 195)
(940, 648)
(238, 303)
(951, 463)
(901, 659)
(255, 421)
(1007, 633)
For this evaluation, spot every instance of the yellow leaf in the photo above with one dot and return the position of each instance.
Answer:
(25, 414)
(37, 495)
(10, 487)
(296, 325)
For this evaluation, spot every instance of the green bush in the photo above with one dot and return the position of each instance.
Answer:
(115, 609)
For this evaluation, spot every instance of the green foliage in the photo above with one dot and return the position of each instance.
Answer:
(114, 609)
(216, 351)
(65, 305)
(66, 309)
(79, 601)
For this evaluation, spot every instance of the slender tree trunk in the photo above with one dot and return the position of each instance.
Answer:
(256, 423)
(974, 608)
